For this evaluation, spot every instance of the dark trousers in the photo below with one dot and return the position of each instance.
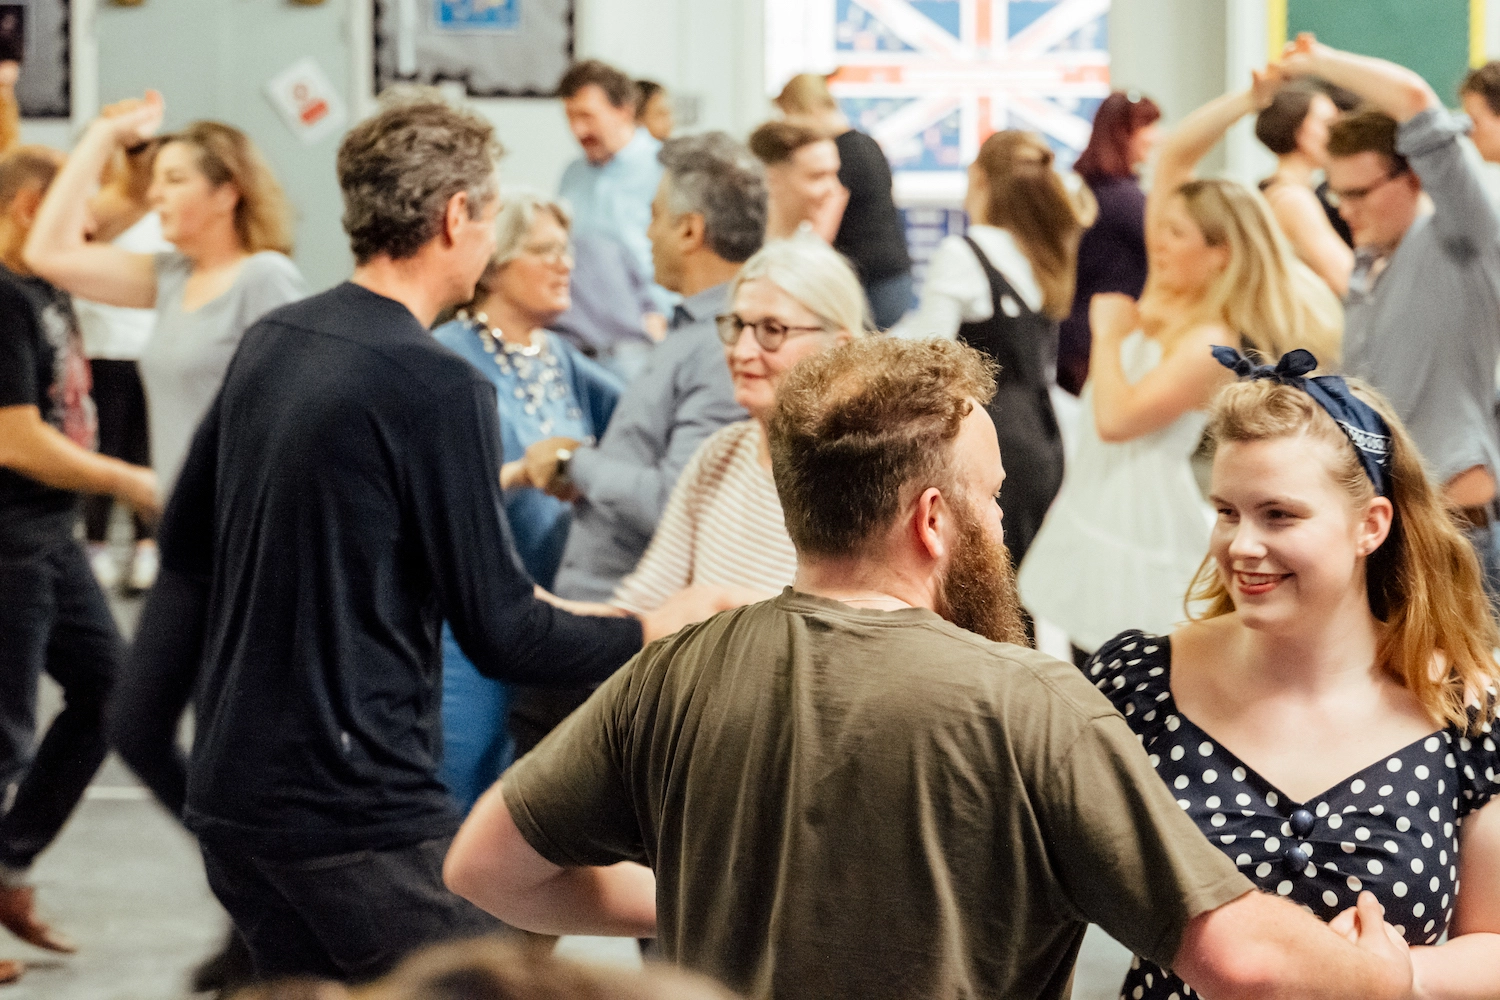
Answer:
(53, 617)
(121, 404)
(349, 917)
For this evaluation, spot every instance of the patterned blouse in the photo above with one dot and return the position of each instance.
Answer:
(1391, 828)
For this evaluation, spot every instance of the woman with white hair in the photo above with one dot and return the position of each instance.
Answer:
(545, 388)
(723, 524)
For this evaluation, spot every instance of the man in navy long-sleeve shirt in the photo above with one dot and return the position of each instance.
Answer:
(340, 500)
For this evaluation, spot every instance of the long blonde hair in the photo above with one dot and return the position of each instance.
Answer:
(1424, 582)
(1265, 294)
(1028, 198)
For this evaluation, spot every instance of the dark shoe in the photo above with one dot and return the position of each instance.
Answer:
(227, 970)
(18, 914)
(10, 970)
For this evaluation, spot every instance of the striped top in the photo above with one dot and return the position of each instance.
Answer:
(722, 526)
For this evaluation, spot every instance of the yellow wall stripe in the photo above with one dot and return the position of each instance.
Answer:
(1477, 31)
(1276, 27)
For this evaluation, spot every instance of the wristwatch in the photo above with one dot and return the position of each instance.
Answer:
(564, 459)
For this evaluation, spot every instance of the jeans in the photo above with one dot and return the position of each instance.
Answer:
(476, 737)
(349, 917)
(1486, 542)
(53, 617)
(889, 299)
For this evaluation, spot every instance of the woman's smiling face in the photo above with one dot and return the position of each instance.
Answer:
(1289, 540)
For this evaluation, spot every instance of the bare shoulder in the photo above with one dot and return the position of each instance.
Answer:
(1200, 649)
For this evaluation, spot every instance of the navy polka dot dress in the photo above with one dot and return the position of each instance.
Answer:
(1392, 828)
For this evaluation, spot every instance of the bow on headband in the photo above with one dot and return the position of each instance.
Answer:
(1365, 428)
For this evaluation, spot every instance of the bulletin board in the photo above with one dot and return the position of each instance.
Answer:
(495, 48)
(42, 90)
(1440, 39)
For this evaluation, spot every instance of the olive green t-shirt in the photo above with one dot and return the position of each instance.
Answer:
(866, 804)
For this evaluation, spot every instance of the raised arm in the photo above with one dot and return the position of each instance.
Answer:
(1186, 379)
(1396, 90)
(58, 248)
(1198, 133)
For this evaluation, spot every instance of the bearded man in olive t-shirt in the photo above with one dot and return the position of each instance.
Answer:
(867, 787)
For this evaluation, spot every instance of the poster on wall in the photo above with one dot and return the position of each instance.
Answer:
(36, 31)
(932, 79)
(495, 48)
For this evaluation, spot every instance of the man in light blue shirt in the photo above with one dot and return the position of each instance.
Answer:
(611, 186)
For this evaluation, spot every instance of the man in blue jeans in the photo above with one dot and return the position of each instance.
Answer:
(53, 617)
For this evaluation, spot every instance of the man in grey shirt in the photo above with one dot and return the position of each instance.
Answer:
(707, 219)
(1422, 317)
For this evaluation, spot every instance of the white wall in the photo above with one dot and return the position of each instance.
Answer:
(211, 58)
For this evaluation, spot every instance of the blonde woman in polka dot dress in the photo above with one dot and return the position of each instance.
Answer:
(1328, 717)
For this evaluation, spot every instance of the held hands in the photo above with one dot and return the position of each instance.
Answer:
(1363, 925)
(542, 468)
(1113, 317)
(1301, 55)
(1264, 83)
(693, 604)
(133, 120)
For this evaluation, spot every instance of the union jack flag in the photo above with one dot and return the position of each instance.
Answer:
(932, 79)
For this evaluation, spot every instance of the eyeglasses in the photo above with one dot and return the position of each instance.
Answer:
(770, 334)
(551, 252)
(1337, 198)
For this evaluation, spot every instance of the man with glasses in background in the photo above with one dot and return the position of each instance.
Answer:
(1422, 316)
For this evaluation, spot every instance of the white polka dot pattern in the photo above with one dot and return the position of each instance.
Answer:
(1389, 828)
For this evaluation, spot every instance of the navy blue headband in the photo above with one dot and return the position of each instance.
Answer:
(1365, 428)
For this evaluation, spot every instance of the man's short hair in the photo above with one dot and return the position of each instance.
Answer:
(776, 141)
(399, 168)
(713, 176)
(858, 431)
(619, 88)
(1484, 81)
(24, 167)
(1366, 130)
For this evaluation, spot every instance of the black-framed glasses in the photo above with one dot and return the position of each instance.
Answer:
(1336, 197)
(770, 334)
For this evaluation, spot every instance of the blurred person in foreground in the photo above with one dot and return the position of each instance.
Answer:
(864, 788)
(342, 499)
(496, 969)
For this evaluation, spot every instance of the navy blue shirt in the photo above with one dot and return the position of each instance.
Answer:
(341, 499)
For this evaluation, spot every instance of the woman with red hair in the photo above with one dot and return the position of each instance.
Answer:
(1112, 253)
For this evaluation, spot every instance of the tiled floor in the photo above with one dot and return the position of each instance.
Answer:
(125, 881)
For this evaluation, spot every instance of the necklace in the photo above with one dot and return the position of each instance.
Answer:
(536, 370)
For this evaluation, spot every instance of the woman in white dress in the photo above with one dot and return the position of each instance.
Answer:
(1130, 527)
